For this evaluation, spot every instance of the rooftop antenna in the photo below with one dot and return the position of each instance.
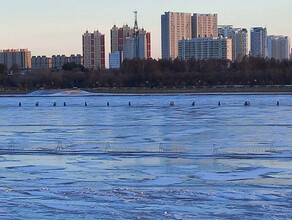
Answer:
(136, 20)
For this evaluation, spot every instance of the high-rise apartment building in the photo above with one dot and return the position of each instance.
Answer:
(278, 47)
(259, 45)
(131, 42)
(225, 30)
(239, 38)
(175, 26)
(21, 57)
(204, 25)
(93, 50)
(118, 37)
(205, 48)
(138, 45)
(239, 44)
(130, 48)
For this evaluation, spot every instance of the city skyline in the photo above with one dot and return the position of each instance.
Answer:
(46, 29)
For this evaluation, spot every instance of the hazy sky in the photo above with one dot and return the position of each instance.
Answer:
(49, 27)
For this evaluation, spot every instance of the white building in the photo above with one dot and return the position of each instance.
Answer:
(115, 60)
(259, 45)
(21, 57)
(278, 47)
(239, 38)
(205, 48)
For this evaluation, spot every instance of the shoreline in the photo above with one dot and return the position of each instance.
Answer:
(135, 90)
(268, 89)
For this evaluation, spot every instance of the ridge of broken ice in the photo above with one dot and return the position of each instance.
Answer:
(72, 92)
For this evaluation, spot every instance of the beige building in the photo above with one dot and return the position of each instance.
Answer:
(206, 48)
(204, 25)
(20, 57)
(93, 50)
(175, 26)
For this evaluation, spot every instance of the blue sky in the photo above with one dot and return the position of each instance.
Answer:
(49, 27)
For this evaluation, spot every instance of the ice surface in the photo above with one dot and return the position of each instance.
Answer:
(147, 161)
(254, 173)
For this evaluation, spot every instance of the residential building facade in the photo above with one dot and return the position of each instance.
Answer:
(131, 42)
(118, 37)
(93, 45)
(41, 62)
(20, 57)
(204, 25)
(278, 47)
(205, 48)
(78, 59)
(58, 61)
(259, 44)
(115, 60)
(175, 26)
(239, 38)
(225, 30)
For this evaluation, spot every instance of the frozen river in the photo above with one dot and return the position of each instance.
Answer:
(149, 160)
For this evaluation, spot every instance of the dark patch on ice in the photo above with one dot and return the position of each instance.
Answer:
(237, 175)
(55, 181)
(36, 169)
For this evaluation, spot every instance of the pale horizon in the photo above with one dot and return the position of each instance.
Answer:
(53, 27)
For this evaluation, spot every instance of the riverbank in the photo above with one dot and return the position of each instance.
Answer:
(217, 89)
(143, 90)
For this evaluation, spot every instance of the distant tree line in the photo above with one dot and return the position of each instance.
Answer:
(157, 73)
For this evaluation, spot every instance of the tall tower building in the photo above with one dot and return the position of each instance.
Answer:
(259, 46)
(118, 37)
(130, 42)
(278, 47)
(175, 26)
(139, 45)
(93, 50)
(239, 44)
(239, 38)
(204, 25)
